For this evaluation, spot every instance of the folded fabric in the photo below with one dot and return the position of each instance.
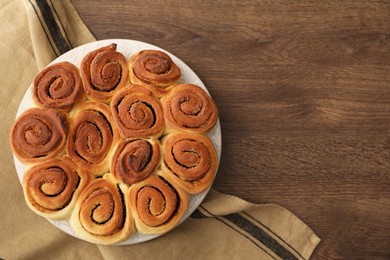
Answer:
(223, 227)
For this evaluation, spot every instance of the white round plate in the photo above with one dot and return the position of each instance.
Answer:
(128, 48)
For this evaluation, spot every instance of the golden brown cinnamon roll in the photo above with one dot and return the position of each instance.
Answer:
(134, 160)
(101, 215)
(103, 72)
(58, 86)
(157, 205)
(137, 114)
(52, 188)
(39, 134)
(192, 160)
(153, 69)
(189, 108)
(92, 135)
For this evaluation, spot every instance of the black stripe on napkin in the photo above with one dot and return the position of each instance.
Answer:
(260, 235)
(43, 27)
(272, 232)
(198, 214)
(52, 25)
(251, 229)
(62, 26)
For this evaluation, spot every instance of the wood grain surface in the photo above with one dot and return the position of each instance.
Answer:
(303, 89)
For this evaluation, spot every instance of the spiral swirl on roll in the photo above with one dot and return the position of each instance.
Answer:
(103, 72)
(135, 160)
(92, 136)
(101, 215)
(39, 134)
(192, 159)
(189, 108)
(156, 204)
(154, 69)
(51, 188)
(137, 114)
(58, 86)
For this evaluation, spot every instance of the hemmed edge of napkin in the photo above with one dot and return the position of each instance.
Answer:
(314, 242)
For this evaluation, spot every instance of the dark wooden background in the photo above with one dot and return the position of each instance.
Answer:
(303, 89)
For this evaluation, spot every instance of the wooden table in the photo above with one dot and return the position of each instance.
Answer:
(303, 89)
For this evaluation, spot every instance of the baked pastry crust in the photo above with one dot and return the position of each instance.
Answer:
(137, 113)
(156, 204)
(92, 136)
(101, 214)
(187, 107)
(155, 70)
(104, 71)
(58, 86)
(191, 159)
(135, 159)
(52, 188)
(39, 134)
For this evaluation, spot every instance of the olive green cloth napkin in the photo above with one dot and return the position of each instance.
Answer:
(33, 33)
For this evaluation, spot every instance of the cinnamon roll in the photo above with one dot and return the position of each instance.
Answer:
(157, 205)
(52, 188)
(137, 114)
(92, 135)
(39, 134)
(101, 215)
(153, 69)
(104, 71)
(58, 86)
(134, 160)
(189, 108)
(192, 160)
